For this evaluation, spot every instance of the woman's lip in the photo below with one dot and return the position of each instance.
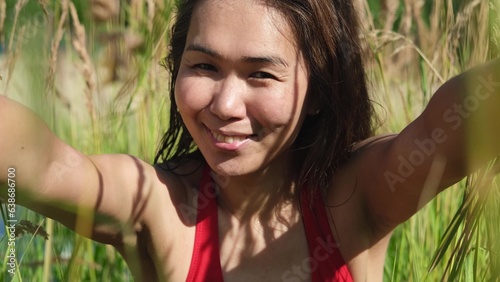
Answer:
(228, 142)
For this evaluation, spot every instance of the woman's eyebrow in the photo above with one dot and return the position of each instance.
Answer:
(203, 49)
(274, 60)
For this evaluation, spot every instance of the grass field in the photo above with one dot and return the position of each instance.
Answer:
(96, 79)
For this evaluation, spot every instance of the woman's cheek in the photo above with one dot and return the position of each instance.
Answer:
(191, 94)
(279, 109)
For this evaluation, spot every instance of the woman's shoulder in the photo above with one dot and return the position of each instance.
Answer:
(348, 175)
(360, 242)
(178, 183)
(358, 179)
(362, 145)
(183, 173)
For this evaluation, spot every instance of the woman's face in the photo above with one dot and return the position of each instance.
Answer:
(241, 87)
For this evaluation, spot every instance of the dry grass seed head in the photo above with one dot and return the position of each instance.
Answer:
(80, 45)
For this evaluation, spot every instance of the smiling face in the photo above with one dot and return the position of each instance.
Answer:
(241, 87)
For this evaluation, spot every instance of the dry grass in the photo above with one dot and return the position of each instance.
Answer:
(410, 56)
(108, 62)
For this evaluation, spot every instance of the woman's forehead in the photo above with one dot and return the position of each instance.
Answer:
(243, 24)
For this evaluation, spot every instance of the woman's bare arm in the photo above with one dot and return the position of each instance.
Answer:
(457, 133)
(101, 197)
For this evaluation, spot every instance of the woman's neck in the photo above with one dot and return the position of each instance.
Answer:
(260, 195)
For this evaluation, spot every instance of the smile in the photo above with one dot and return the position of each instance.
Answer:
(228, 139)
(229, 142)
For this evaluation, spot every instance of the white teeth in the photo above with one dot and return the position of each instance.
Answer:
(227, 139)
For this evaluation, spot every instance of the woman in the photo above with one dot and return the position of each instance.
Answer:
(266, 172)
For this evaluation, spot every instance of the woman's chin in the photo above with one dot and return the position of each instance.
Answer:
(228, 169)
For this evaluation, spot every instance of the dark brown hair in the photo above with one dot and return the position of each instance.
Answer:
(326, 32)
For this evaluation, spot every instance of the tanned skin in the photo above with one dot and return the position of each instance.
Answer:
(146, 213)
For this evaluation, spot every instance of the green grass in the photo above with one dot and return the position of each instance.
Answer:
(120, 106)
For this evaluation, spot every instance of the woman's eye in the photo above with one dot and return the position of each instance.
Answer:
(205, 67)
(263, 75)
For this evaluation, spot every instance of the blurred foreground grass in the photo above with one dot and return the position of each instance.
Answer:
(94, 76)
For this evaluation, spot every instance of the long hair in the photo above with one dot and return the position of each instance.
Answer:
(327, 33)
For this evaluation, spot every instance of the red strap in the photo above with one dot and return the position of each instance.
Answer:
(325, 259)
(205, 262)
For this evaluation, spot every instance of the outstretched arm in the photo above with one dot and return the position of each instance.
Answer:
(456, 134)
(100, 197)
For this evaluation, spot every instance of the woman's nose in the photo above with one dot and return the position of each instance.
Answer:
(228, 99)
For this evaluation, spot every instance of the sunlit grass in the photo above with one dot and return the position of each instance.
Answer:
(116, 102)
(113, 101)
(413, 52)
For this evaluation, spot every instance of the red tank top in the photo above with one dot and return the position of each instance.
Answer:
(324, 261)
